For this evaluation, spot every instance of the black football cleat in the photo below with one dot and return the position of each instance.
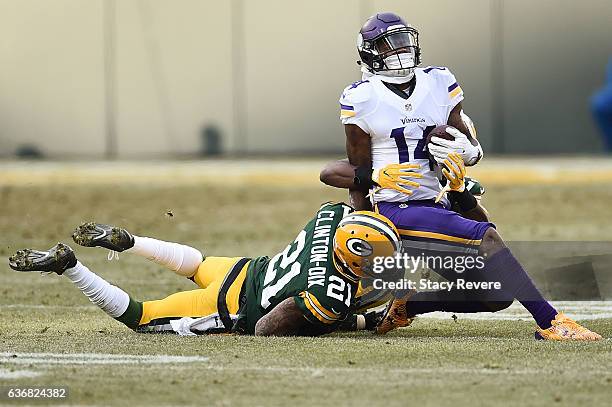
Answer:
(57, 259)
(92, 234)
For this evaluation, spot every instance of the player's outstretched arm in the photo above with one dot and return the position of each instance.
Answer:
(285, 319)
(341, 174)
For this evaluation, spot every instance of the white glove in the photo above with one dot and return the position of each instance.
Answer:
(440, 148)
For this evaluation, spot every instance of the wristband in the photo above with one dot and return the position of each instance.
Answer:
(361, 322)
(465, 200)
(363, 178)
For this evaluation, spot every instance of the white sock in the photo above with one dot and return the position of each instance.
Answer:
(183, 260)
(113, 300)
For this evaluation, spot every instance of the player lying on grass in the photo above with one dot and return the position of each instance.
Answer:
(307, 289)
(402, 311)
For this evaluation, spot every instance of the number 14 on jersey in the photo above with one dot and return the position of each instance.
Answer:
(420, 150)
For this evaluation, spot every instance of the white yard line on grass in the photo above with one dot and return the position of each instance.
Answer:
(316, 371)
(15, 278)
(18, 374)
(579, 310)
(94, 359)
(49, 307)
(106, 359)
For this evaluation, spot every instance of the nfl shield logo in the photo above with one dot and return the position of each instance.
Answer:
(408, 107)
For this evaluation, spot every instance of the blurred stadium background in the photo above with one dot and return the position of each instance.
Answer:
(155, 78)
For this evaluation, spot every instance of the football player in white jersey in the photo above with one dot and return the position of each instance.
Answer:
(397, 104)
(387, 118)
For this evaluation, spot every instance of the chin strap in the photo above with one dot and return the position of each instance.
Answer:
(397, 80)
(366, 74)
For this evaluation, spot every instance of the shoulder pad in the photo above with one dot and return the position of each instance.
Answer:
(435, 70)
(357, 92)
(446, 87)
(440, 74)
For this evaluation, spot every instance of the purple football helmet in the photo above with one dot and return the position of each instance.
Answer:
(389, 46)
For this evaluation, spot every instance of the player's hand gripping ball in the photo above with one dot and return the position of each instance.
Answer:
(445, 139)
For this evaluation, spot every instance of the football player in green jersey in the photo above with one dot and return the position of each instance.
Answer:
(307, 289)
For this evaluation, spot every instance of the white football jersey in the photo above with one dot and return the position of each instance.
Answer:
(399, 126)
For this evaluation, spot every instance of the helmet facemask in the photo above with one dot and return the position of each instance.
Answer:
(393, 54)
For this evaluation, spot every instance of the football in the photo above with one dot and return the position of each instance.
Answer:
(440, 131)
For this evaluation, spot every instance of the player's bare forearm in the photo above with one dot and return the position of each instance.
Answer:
(358, 146)
(479, 214)
(285, 319)
(457, 122)
(359, 200)
(339, 174)
(359, 153)
(467, 145)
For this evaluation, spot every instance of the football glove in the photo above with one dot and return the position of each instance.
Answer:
(440, 148)
(475, 187)
(358, 322)
(397, 177)
(454, 171)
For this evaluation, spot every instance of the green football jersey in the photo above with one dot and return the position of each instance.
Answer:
(304, 271)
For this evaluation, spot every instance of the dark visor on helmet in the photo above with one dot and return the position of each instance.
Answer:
(395, 40)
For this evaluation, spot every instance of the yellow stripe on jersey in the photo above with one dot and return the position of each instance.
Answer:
(346, 110)
(455, 92)
(438, 236)
(315, 307)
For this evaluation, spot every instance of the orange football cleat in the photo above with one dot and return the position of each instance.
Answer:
(566, 329)
(396, 315)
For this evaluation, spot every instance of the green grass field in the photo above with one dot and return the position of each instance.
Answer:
(434, 362)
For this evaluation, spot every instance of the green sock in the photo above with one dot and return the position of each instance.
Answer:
(132, 315)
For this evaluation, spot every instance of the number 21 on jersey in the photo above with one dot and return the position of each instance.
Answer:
(287, 258)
